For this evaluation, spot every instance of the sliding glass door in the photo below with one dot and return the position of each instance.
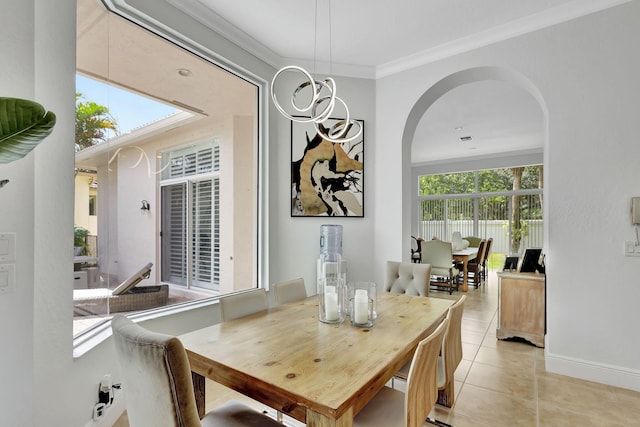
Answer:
(191, 234)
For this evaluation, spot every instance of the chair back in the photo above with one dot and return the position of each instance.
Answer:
(407, 278)
(451, 353)
(243, 304)
(473, 241)
(289, 291)
(439, 254)
(422, 390)
(481, 252)
(156, 376)
(487, 249)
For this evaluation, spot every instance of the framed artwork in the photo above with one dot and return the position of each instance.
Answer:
(327, 178)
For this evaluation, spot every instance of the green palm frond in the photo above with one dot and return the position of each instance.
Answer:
(23, 124)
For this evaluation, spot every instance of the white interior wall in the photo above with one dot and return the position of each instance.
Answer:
(54, 53)
(16, 216)
(586, 77)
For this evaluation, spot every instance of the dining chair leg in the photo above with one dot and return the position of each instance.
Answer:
(437, 423)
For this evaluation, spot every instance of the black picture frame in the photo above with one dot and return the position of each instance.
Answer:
(531, 261)
(510, 263)
(327, 178)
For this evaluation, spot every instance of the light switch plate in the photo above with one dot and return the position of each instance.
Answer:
(7, 278)
(7, 247)
(631, 249)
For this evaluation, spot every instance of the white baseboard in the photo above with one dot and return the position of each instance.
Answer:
(112, 413)
(593, 371)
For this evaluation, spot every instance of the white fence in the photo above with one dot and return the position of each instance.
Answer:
(497, 229)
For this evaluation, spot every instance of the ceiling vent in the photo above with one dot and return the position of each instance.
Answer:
(465, 138)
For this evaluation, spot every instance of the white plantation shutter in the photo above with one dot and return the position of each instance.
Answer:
(201, 234)
(173, 235)
(191, 220)
(215, 262)
(191, 161)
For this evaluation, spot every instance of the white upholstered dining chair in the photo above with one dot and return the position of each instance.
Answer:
(243, 304)
(439, 254)
(157, 383)
(407, 278)
(393, 408)
(289, 291)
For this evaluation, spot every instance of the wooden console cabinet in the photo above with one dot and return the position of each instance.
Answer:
(521, 306)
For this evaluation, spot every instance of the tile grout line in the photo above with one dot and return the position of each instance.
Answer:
(535, 388)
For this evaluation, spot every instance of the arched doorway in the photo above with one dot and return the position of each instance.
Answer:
(432, 95)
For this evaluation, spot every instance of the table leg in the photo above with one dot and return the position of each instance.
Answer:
(315, 419)
(465, 276)
(198, 389)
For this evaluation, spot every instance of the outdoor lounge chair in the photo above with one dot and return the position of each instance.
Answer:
(126, 297)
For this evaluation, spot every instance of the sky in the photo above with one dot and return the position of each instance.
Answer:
(129, 110)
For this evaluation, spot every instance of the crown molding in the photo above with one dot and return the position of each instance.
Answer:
(198, 11)
(538, 21)
(553, 16)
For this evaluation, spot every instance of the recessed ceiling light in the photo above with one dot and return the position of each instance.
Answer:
(184, 72)
(458, 128)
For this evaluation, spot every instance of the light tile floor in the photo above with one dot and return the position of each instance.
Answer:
(504, 383)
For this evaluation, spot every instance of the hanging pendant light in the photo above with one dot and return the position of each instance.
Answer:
(322, 101)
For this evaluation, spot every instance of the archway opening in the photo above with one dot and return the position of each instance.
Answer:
(427, 100)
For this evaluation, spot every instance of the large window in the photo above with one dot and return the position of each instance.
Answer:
(166, 172)
(505, 204)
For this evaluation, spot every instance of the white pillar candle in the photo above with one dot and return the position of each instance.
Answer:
(361, 308)
(331, 304)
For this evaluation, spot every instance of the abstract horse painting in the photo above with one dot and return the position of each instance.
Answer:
(326, 177)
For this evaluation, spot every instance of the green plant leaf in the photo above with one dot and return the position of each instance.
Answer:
(23, 124)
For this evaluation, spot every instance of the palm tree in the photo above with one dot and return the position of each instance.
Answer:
(92, 122)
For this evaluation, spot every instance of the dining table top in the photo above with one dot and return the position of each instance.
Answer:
(318, 373)
(470, 252)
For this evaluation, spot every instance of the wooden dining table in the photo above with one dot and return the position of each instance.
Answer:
(317, 373)
(464, 256)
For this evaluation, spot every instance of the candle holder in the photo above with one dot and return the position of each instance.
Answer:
(330, 289)
(362, 304)
(331, 280)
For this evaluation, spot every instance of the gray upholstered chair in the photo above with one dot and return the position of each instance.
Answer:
(439, 254)
(393, 408)
(157, 383)
(289, 291)
(450, 354)
(473, 241)
(407, 278)
(243, 304)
